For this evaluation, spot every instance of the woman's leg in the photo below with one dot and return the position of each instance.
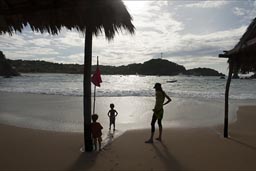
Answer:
(159, 121)
(153, 121)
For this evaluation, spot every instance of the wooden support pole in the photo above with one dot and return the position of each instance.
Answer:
(227, 98)
(87, 90)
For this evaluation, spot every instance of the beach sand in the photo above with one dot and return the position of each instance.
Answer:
(202, 148)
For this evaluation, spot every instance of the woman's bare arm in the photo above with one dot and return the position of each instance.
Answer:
(168, 99)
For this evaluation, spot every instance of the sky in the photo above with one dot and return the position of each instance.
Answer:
(190, 33)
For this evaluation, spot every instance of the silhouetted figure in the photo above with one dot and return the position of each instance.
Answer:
(96, 131)
(158, 112)
(112, 113)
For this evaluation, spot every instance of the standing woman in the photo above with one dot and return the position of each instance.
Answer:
(158, 112)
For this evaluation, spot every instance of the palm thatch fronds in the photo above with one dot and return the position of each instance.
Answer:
(243, 54)
(51, 15)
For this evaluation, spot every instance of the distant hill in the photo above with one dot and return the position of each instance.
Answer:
(203, 72)
(29, 66)
(160, 67)
(151, 67)
(5, 68)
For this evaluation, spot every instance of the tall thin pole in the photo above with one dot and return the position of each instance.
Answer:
(94, 99)
(227, 98)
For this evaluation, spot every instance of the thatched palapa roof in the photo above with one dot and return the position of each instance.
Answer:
(51, 15)
(244, 53)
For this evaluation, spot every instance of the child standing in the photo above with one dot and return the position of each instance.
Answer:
(112, 113)
(96, 131)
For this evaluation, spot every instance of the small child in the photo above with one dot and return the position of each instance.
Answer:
(112, 113)
(96, 131)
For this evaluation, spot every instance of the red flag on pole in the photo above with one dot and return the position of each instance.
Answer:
(96, 78)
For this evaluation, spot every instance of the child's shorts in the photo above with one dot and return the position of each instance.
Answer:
(112, 120)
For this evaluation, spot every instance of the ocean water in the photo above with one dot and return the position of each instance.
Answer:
(133, 85)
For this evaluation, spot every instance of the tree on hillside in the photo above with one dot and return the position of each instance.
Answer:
(5, 68)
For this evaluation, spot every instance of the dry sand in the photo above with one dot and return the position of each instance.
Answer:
(181, 149)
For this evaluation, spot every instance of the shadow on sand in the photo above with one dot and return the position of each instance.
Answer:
(164, 154)
(86, 160)
(243, 143)
(109, 139)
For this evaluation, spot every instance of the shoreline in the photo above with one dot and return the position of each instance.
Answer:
(65, 113)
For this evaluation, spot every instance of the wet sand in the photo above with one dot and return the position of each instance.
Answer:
(65, 113)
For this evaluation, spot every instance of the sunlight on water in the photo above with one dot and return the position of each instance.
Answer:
(133, 85)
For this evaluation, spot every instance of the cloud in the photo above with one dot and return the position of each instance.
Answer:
(14, 41)
(207, 4)
(239, 11)
(40, 42)
(219, 64)
(69, 38)
(246, 10)
(30, 53)
(202, 50)
(252, 13)
(206, 45)
(21, 46)
(74, 58)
